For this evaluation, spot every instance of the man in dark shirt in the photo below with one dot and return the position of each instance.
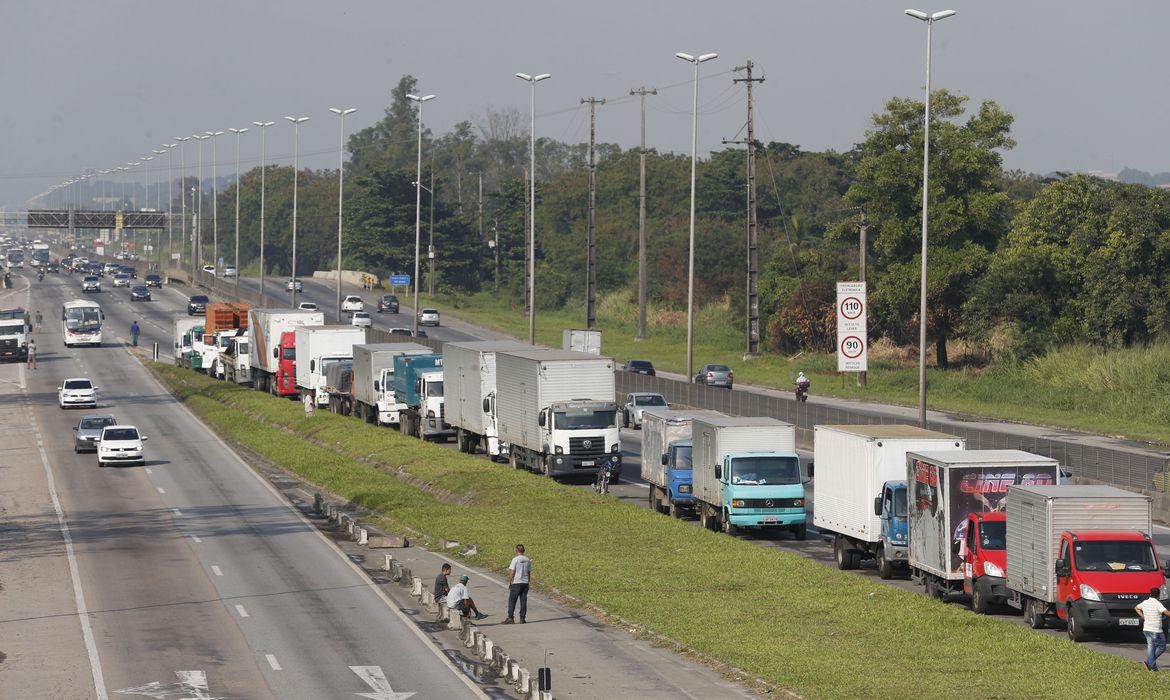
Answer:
(441, 586)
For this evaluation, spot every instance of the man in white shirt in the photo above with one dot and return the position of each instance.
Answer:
(518, 573)
(1151, 611)
(460, 599)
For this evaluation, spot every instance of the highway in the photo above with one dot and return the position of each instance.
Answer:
(199, 580)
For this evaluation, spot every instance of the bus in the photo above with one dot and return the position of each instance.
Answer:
(81, 322)
(40, 254)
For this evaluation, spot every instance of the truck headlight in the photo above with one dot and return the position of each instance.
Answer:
(430, 414)
(684, 488)
(798, 503)
(737, 503)
(615, 448)
(993, 570)
(1089, 593)
(559, 450)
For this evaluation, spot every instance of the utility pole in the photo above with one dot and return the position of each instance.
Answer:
(431, 244)
(528, 262)
(753, 292)
(642, 92)
(863, 233)
(591, 234)
(496, 249)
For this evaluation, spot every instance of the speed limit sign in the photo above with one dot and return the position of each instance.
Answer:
(852, 339)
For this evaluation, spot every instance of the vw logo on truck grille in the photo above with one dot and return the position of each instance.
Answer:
(587, 443)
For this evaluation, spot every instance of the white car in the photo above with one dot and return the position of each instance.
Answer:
(307, 306)
(229, 271)
(352, 303)
(77, 391)
(295, 283)
(91, 284)
(209, 269)
(120, 444)
(121, 281)
(361, 319)
(635, 402)
(428, 317)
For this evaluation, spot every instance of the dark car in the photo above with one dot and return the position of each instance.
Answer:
(53, 267)
(408, 332)
(97, 269)
(715, 375)
(388, 303)
(197, 305)
(127, 270)
(154, 281)
(140, 292)
(640, 367)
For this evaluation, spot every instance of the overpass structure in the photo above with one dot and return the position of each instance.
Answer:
(72, 219)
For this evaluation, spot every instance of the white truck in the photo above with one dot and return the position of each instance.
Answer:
(373, 375)
(318, 347)
(747, 474)
(861, 489)
(557, 411)
(469, 387)
(666, 457)
(185, 337)
(272, 352)
(236, 363)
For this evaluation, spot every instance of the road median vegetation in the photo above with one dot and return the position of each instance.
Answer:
(792, 622)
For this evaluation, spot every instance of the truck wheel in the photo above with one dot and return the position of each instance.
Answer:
(705, 518)
(844, 556)
(979, 599)
(1034, 615)
(800, 531)
(654, 505)
(1076, 626)
(728, 528)
(885, 566)
(674, 510)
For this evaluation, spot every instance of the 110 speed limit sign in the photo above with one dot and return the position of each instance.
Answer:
(852, 339)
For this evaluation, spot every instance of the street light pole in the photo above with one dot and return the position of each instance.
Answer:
(263, 168)
(340, 190)
(695, 60)
(182, 141)
(170, 198)
(296, 122)
(214, 205)
(533, 80)
(199, 194)
(930, 20)
(418, 201)
(237, 132)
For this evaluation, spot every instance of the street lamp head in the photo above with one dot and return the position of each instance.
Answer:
(524, 76)
(918, 14)
(213, 133)
(181, 139)
(707, 57)
(424, 98)
(237, 132)
(263, 124)
(343, 112)
(541, 77)
(941, 15)
(297, 120)
(685, 56)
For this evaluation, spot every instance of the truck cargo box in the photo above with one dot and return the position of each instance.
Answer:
(368, 362)
(469, 376)
(267, 325)
(317, 342)
(718, 436)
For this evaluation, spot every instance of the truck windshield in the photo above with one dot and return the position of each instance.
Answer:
(290, 353)
(584, 419)
(12, 328)
(993, 535)
(759, 471)
(435, 388)
(682, 457)
(1114, 555)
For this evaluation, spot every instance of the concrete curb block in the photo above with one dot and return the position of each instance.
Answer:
(416, 587)
(318, 503)
(513, 671)
(388, 565)
(524, 684)
(467, 632)
(455, 623)
(444, 613)
(380, 540)
(362, 536)
(489, 650)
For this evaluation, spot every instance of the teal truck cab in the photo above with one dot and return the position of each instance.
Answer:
(747, 474)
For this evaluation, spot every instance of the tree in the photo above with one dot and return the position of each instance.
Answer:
(969, 211)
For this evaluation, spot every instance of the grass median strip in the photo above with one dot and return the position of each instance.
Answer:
(791, 621)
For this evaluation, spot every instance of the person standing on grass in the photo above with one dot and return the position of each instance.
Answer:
(460, 599)
(518, 573)
(308, 399)
(32, 353)
(1151, 611)
(442, 588)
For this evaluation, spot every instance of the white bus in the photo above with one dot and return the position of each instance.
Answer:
(81, 322)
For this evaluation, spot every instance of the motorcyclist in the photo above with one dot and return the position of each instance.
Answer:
(802, 385)
(40, 275)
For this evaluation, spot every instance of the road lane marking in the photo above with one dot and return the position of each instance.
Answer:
(149, 470)
(160, 489)
(216, 570)
(176, 511)
(273, 662)
(196, 540)
(374, 677)
(241, 611)
(192, 684)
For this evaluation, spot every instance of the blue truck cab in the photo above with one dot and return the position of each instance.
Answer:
(895, 538)
(680, 484)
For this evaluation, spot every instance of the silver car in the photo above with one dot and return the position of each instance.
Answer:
(89, 429)
(715, 375)
(638, 400)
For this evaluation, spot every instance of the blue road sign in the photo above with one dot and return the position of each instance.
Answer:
(400, 280)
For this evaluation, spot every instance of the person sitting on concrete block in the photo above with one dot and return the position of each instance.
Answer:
(459, 598)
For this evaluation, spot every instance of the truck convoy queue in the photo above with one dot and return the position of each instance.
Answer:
(995, 526)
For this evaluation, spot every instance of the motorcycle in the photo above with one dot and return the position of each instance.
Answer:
(802, 391)
(40, 276)
(601, 485)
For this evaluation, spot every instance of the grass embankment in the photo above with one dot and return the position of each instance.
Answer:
(791, 621)
(1115, 392)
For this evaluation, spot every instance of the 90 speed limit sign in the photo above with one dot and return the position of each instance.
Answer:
(852, 338)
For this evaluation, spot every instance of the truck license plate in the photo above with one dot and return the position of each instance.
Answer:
(587, 463)
(771, 519)
(1129, 622)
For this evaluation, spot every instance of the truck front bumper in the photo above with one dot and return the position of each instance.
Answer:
(778, 518)
(435, 427)
(1103, 615)
(994, 588)
(388, 416)
(561, 465)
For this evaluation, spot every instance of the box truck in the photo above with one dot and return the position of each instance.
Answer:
(235, 359)
(469, 388)
(272, 352)
(318, 347)
(186, 329)
(666, 457)
(556, 410)
(861, 489)
(339, 386)
(1083, 553)
(373, 375)
(418, 388)
(946, 487)
(747, 474)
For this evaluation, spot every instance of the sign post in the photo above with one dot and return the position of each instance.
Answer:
(852, 337)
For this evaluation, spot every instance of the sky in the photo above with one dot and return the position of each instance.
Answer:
(92, 85)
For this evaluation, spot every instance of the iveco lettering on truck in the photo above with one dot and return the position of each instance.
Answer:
(861, 489)
(418, 388)
(945, 489)
(318, 347)
(1083, 554)
(666, 458)
(272, 352)
(556, 410)
(373, 380)
(469, 385)
(747, 474)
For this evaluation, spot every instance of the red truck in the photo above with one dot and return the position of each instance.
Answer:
(273, 350)
(984, 552)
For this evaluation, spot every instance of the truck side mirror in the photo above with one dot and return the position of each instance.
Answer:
(276, 353)
(1062, 569)
(487, 405)
(664, 458)
(877, 505)
(375, 385)
(540, 419)
(955, 548)
(719, 472)
(810, 469)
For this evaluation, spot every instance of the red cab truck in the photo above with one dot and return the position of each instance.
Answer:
(272, 353)
(984, 552)
(1082, 554)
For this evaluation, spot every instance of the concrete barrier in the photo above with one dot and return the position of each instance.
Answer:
(444, 613)
(416, 587)
(388, 565)
(455, 623)
(318, 503)
(379, 540)
(362, 536)
(524, 685)
(489, 650)
(513, 671)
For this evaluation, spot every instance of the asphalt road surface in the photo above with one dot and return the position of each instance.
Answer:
(198, 579)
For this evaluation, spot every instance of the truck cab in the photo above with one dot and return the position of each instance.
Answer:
(192, 348)
(895, 533)
(763, 489)
(388, 407)
(235, 360)
(581, 435)
(679, 473)
(1101, 575)
(496, 449)
(318, 369)
(984, 552)
(284, 382)
(418, 389)
(429, 388)
(14, 334)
